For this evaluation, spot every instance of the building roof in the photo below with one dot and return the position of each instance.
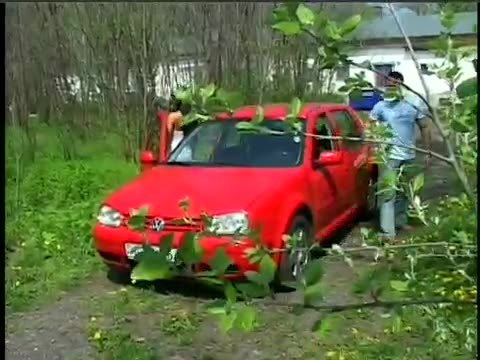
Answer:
(415, 26)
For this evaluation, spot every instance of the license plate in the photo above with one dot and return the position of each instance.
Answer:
(133, 250)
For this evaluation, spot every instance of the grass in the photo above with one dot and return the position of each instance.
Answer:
(50, 213)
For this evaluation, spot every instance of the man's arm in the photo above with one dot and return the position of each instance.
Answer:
(425, 132)
(424, 124)
(375, 116)
(375, 113)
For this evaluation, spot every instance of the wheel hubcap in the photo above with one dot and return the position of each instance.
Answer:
(299, 256)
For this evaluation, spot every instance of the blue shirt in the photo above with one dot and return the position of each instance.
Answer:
(401, 116)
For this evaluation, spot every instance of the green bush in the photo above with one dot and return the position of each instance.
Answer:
(50, 212)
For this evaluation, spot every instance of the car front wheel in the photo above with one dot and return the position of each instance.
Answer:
(118, 276)
(298, 254)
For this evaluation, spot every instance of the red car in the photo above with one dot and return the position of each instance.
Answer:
(280, 184)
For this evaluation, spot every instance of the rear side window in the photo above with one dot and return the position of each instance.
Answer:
(348, 127)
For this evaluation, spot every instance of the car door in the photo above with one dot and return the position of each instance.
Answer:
(355, 156)
(328, 202)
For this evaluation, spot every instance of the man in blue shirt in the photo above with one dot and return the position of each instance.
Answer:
(401, 116)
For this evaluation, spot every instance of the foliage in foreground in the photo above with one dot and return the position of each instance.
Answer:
(436, 276)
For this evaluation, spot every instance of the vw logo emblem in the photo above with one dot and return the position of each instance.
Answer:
(158, 224)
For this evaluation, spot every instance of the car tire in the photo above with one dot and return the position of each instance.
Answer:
(292, 264)
(117, 276)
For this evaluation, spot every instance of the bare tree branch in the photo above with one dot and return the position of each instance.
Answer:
(371, 304)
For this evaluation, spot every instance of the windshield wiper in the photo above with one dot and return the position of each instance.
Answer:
(181, 163)
(225, 163)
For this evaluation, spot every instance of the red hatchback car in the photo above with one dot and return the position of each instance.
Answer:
(280, 184)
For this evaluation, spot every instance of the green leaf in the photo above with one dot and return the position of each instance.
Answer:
(258, 116)
(350, 25)
(246, 318)
(152, 266)
(230, 292)
(166, 244)
(217, 307)
(281, 13)
(288, 27)
(295, 107)
(418, 182)
(232, 99)
(252, 290)
(190, 251)
(255, 277)
(138, 219)
(467, 88)
(217, 310)
(332, 31)
(324, 327)
(305, 15)
(227, 320)
(267, 269)
(220, 262)
(400, 286)
(447, 18)
(314, 272)
(313, 295)
(207, 92)
(184, 95)
(247, 126)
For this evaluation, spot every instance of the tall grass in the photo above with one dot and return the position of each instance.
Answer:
(51, 204)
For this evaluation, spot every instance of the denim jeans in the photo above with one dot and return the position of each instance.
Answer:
(393, 204)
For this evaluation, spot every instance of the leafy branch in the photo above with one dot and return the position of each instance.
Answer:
(436, 120)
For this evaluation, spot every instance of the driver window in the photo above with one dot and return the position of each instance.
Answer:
(199, 146)
(322, 128)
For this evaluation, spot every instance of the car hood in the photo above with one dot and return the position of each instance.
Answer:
(211, 190)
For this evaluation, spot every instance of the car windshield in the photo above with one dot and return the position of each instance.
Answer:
(220, 143)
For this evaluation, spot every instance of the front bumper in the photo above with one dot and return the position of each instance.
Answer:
(110, 244)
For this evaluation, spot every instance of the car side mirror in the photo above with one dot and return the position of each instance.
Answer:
(147, 160)
(329, 158)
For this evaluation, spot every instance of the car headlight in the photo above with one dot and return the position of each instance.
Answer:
(230, 224)
(109, 217)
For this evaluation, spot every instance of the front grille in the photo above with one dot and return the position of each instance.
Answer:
(172, 224)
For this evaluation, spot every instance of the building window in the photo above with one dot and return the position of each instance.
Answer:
(424, 69)
(381, 81)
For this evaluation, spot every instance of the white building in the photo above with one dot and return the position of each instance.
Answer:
(381, 43)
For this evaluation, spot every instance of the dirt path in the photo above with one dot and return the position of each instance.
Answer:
(59, 331)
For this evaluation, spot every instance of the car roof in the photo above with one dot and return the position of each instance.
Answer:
(280, 111)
